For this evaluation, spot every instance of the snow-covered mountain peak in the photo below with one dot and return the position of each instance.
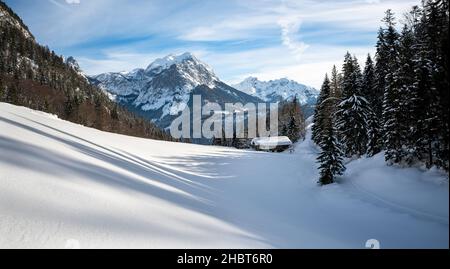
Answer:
(248, 85)
(171, 59)
(185, 70)
(250, 79)
(166, 62)
(277, 90)
(283, 81)
(133, 72)
(165, 87)
(73, 63)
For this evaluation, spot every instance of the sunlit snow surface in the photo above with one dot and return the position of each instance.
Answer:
(63, 184)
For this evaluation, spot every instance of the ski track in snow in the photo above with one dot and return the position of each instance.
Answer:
(377, 199)
(62, 183)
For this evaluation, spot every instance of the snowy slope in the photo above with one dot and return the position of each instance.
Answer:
(62, 183)
(277, 90)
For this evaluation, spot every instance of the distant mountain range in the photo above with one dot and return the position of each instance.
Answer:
(163, 89)
(278, 90)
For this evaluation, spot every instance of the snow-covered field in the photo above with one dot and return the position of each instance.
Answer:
(63, 184)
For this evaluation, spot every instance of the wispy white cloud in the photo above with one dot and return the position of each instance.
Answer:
(72, 2)
(311, 71)
(290, 26)
(237, 26)
(58, 4)
(274, 62)
(290, 38)
(117, 61)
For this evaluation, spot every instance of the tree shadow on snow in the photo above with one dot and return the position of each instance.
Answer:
(132, 173)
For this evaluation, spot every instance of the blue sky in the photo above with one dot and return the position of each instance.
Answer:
(297, 39)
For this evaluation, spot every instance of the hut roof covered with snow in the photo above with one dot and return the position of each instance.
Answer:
(271, 142)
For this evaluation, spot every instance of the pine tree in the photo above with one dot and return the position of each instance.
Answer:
(98, 112)
(2, 89)
(431, 84)
(391, 127)
(443, 84)
(284, 130)
(46, 106)
(438, 37)
(335, 84)
(335, 89)
(353, 110)
(114, 113)
(408, 101)
(291, 121)
(352, 123)
(374, 140)
(68, 107)
(391, 97)
(368, 91)
(293, 129)
(386, 61)
(324, 133)
(12, 95)
(295, 126)
(235, 140)
(298, 111)
(351, 77)
(322, 113)
(330, 157)
(381, 62)
(2, 60)
(368, 81)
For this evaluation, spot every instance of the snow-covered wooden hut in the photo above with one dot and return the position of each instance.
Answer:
(273, 143)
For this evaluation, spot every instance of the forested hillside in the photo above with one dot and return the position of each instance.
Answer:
(34, 76)
(399, 102)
